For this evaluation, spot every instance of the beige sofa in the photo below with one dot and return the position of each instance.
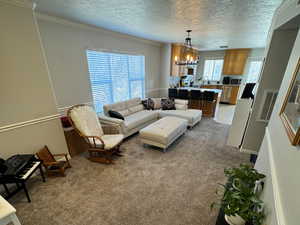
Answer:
(136, 117)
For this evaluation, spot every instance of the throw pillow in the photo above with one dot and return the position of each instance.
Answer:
(148, 104)
(115, 114)
(167, 104)
(157, 103)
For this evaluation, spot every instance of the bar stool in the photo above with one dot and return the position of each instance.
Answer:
(195, 98)
(183, 94)
(172, 93)
(208, 100)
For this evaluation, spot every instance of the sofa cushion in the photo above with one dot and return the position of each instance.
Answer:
(191, 115)
(119, 106)
(124, 112)
(136, 108)
(132, 102)
(181, 107)
(136, 119)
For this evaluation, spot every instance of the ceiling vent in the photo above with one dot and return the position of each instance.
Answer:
(267, 105)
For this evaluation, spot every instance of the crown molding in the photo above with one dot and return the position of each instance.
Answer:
(20, 3)
(58, 20)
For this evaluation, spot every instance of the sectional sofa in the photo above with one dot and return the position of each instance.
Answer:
(136, 117)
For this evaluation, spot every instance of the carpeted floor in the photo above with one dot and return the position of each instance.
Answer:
(144, 187)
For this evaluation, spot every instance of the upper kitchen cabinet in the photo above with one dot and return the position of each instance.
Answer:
(235, 61)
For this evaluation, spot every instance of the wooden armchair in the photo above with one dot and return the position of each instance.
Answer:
(101, 145)
(51, 165)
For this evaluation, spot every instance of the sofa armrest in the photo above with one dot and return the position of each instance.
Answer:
(181, 102)
(110, 120)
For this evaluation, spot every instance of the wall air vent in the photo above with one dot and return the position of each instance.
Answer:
(267, 105)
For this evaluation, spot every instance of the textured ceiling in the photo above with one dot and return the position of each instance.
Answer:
(236, 23)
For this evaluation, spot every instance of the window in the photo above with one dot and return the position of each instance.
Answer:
(254, 71)
(213, 69)
(115, 77)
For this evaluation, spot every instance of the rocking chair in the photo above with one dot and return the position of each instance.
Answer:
(102, 146)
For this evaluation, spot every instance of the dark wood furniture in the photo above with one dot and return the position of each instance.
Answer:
(52, 166)
(27, 167)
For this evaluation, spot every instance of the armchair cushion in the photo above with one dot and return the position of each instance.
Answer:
(110, 141)
(86, 121)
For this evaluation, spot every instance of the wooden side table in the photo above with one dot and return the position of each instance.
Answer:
(7, 213)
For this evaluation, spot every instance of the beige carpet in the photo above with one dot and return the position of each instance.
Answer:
(145, 186)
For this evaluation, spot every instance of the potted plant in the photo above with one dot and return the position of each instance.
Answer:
(240, 201)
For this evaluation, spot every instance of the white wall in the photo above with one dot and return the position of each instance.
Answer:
(28, 115)
(165, 69)
(65, 44)
(277, 157)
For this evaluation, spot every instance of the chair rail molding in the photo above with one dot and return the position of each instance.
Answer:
(21, 3)
(63, 110)
(276, 193)
(29, 122)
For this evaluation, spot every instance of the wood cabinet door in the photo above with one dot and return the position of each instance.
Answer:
(235, 61)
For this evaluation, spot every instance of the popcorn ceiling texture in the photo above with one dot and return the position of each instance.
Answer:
(145, 187)
(237, 23)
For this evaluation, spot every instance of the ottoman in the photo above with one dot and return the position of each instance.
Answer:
(163, 132)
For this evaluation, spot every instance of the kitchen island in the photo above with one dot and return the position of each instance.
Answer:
(209, 108)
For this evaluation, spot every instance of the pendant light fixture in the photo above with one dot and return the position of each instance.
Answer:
(188, 55)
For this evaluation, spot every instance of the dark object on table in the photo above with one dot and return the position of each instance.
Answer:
(65, 122)
(115, 114)
(226, 80)
(247, 93)
(51, 165)
(235, 81)
(19, 169)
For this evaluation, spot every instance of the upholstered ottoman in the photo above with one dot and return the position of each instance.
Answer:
(163, 132)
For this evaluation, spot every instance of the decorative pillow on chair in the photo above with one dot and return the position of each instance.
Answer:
(148, 104)
(115, 114)
(167, 104)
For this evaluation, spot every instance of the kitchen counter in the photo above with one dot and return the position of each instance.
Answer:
(220, 84)
(218, 91)
(209, 108)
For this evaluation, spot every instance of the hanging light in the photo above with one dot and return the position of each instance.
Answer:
(188, 49)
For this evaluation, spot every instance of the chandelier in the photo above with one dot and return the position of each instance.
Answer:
(189, 55)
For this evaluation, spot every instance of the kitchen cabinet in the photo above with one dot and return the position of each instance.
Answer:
(235, 61)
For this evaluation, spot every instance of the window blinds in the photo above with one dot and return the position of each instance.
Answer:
(115, 77)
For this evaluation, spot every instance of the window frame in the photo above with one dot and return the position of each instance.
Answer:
(213, 59)
(110, 82)
(252, 60)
